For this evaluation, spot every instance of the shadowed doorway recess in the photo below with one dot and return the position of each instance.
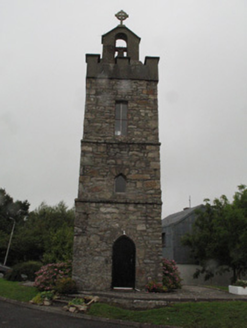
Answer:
(123, 263)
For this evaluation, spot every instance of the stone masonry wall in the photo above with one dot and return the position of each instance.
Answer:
(102, 162)
(102, 215)
(99, 225)
(99, 120)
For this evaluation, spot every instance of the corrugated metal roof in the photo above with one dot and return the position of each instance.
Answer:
(179, 216)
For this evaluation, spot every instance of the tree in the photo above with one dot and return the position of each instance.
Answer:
(59, 225)
(47, 235)
(9, 210)
(219, 236)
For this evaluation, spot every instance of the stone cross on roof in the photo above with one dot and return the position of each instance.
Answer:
(121, 15)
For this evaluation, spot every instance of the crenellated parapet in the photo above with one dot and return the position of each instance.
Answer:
(122, 68)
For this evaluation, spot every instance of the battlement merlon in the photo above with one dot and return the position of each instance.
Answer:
(123, 68)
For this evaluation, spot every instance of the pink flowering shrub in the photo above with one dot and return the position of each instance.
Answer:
(171, 279)
(49, 275)
(155, 287)
(171, 275)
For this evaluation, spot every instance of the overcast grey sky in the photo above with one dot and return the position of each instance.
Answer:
(202, 45)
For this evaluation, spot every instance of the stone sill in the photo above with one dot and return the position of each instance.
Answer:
(79, 200)
(124, 142)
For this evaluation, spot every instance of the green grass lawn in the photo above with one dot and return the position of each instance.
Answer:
(186, 315)
(15, 291)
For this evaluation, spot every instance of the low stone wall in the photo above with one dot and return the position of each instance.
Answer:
(187, 271)
(131, 300)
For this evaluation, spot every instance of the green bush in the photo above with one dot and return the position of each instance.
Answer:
(40, 297)
(37, 299)
(66, 286)
(13, 274)
(49, 295)
(241, 283)
(26, 268)
(77, 301)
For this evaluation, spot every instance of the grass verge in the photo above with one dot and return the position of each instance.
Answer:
(224, 288)
(15, 291)
(186, 315)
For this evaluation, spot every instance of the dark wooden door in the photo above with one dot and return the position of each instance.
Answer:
(123, 263)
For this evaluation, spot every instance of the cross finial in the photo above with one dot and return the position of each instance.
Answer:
(121, 15)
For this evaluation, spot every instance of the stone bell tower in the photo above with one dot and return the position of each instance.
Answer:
(117, 241)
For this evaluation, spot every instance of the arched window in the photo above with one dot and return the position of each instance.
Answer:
(121, 118)
(120, 183)
(121, 43)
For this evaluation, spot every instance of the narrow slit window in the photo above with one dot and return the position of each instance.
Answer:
(120, 183)
(163, 239)
(121, 119)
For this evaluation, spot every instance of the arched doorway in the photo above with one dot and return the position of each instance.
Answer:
(123, 263)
